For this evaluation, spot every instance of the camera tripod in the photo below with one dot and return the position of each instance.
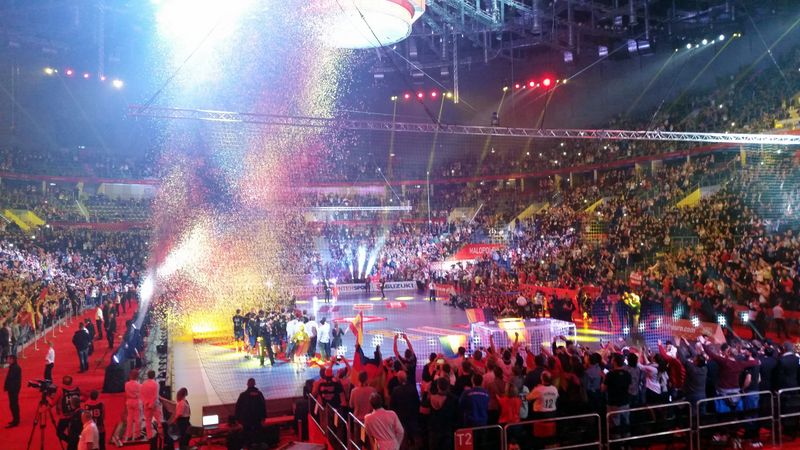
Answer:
(43, 412)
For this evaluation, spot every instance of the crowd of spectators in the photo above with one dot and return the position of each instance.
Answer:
(60, 273)
(505, 386)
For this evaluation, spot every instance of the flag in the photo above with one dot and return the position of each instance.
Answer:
(357, 327)
(451, 343)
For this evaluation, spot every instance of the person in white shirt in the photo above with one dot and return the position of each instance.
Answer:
(180, 419)
(151, 405)
(133, 407)
(383, 425)
(98, 320)
(544, 397)
(324, 338)
(90, 436)
(311, 331)
(49, 361)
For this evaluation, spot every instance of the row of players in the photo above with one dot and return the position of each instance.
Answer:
(264, 335)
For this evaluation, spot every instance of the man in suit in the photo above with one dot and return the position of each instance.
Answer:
(12, 386)
(787, 367)
(81, 341)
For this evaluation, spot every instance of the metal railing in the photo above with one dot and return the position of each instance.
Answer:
(317, 413)
(788, 408)
(337, 428)
(663, 420)
(565, 432)
(737, 405)
(357, 438)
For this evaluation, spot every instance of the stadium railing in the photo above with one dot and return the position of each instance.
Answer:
(649, 425)
(337, 429)
(736, 411)
(357, 438)
(571, 432)
(788, 417)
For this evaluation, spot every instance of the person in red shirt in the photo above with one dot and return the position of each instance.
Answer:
(510, 405)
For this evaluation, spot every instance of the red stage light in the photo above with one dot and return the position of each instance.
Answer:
(406, 96)
(516, 86)
(420, 95)
(546, 82)
(434, 94)
(531, 84)
(70, 72)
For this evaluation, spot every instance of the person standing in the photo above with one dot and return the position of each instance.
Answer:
(12, 386)
(265, 339)
(251, 410)
(360, 397)
(64, 401)
(336, 337)
(383, 425)
(90, 330)
(780, 322)
(98, 320)
(111, 327)
(238, 330)
(324, 338)
(616, 385)
(90, 436)
(98, 411)
(5, 341)
(432, 290)
(81, 342)
(404, 400)
(181, 417)
(133, 396)
(311, 331)
(383, 288)
(151, 404)
(49, 361)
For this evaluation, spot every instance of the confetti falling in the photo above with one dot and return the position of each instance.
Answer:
(226, 232)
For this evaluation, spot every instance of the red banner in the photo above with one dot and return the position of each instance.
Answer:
(475, 251)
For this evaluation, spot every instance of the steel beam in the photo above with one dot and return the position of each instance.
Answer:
(272, 120)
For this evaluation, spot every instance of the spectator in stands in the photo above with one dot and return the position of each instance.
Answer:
(405, 402)
(474, 403)
(383, 425)
(616, 386)
(360, 397)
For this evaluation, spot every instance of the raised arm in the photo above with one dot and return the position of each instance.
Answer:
(408, 343)
(394, 347)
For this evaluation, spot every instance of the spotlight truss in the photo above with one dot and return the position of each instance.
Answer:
(359, 208)
(272, 120)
